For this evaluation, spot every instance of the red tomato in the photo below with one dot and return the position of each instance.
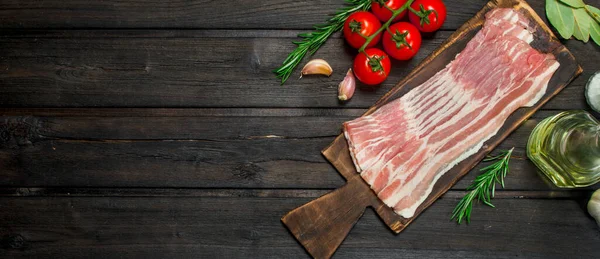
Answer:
(431, 15)
(405, 41)
(383, 13)
(364, 23)
(374, 69)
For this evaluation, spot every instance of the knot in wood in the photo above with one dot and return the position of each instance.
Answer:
(255, 63)
(248, 171)
(252, 235)
(19, 131)
(13, 241)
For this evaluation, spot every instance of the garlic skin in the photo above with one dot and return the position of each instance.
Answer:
(316, 67)
(347, 86)
(593, 206)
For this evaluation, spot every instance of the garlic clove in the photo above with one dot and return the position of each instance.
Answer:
(593, 206)
(317, 66)
(347, 86)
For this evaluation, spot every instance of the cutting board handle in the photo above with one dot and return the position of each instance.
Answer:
(322, 224)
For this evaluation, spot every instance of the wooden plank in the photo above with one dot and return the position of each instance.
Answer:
(180, 112)
(171, 69)
(262, 163)
(577, 194)
(205, 148)
(249, 227)
(203, 126)
(276, 14)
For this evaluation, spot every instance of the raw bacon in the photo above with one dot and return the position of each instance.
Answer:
(405, 146)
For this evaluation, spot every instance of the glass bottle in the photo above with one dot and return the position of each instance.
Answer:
(566, 148)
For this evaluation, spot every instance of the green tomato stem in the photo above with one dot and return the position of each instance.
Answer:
(362, 35)
(385, 25)
(413, 10)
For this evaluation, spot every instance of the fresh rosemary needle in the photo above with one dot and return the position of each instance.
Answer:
(484, 186)
(311, 41)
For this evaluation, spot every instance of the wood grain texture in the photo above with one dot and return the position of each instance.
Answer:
(247, 226)
(195, 148)
(337, 153)
(138, 68)
(189, 147)
(47, 192)
(309, 223)
(274, 14)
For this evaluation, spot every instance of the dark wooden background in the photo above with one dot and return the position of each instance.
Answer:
(156, 129)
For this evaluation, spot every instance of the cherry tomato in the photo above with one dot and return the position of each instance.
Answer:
(405, 41)
(383, 13)
(432, 14)
(364, 23)
(374, 69)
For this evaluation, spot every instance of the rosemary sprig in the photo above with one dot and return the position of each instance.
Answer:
(484, 186)
(313, 40)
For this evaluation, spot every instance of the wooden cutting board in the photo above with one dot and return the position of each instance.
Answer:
(322, 224)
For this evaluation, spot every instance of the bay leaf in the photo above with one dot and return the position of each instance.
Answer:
(573, 3)
(561, 17)
(595, 32)
(595, 12)
(583, 22)
(595, 24)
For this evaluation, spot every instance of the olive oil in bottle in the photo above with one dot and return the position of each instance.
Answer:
(566, 148)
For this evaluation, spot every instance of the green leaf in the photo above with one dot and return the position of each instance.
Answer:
(582, 24)
(595, 32)
(593, 9)
(561, 17)
(573, 3)
(595, 12)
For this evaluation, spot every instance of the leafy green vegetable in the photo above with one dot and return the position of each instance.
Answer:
(574, 18)
(561, 17)
(573, 3)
